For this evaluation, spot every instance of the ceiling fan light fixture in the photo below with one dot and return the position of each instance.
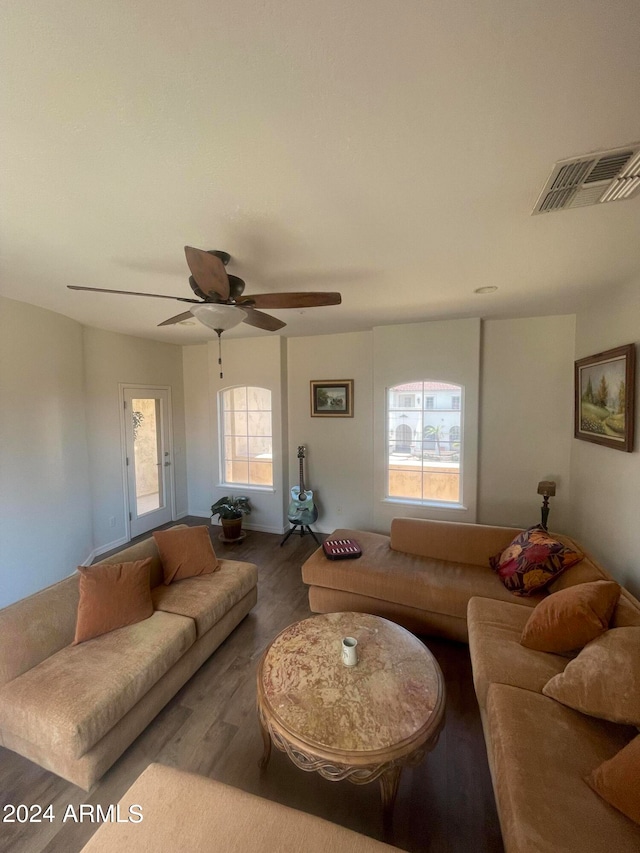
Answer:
(222, 317)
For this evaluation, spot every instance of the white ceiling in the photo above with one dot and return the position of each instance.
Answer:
(390, 150)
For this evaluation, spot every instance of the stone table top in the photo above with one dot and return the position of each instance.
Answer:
(390, 697)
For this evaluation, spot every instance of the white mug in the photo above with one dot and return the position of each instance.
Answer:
(349, 651)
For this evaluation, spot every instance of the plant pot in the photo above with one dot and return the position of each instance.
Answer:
(231, 527)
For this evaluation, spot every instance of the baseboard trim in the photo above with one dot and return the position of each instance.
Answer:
(97, 552)
(259, 528)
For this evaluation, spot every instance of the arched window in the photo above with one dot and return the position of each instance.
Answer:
(427, 468)
(246, 436)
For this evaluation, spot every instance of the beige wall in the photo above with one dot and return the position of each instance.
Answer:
(519, 443)
(45, 499)
(198, 429)
(606, 482)
(445, 350)
(339, 459)
(110, 360)
(526, 419)
(61, 472)
(259, 361)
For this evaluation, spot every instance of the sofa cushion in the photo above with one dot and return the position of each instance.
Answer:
(112, 596)
(585, 571)
(627, 612)
(72, 699)
(183, 811)
(459, 542)
(571, 618)
(532, 560)
(425, 583)
(185, 552)
(540, 752)
(495, 628)
(617, 780)
(206, 599)
(604, 680)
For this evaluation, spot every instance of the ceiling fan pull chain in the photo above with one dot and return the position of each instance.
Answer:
(219, 333)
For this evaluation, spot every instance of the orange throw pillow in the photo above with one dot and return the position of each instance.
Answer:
(112, 595)
(571, 618)
(616, 780)
(185, 552)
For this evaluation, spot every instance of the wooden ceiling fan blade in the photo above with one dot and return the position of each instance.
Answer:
(132, 293)
(261, 320)
(292, 300)
(208, 271)
(186, 315)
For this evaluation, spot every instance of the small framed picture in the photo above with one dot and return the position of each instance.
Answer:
(332, 398)
(604, 398)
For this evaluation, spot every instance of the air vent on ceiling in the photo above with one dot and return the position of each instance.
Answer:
(592, 179)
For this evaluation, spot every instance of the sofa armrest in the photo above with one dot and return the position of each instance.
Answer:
(450, 540)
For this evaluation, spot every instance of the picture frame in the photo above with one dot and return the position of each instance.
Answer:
(605, 398)
(332, 398)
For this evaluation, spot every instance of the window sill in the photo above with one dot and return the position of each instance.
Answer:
(242, 487)
(426, 504)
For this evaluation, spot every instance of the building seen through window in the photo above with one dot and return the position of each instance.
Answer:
(424, 428)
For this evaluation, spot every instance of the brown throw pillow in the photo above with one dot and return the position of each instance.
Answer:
(604, 680)
(112, 595)
(532, 560)
(570, 619)
(617, 780)
(185, 552)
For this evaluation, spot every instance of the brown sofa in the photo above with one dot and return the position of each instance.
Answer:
(182, 811)
(422, 575)
(434, 578)
(74, 709)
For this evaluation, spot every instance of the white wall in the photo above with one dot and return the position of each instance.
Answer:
(339, 461)
(255, 361)
(111, 359)
(198, 429)
(45, 521)
(606, 482)
(60, 407)
(526, 419)
(446, 350)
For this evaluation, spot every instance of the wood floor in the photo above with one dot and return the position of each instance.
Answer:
(445, 805)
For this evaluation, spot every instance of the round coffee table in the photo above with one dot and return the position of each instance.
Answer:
(359, 723)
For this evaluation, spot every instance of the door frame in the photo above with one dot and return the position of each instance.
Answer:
(171, 486)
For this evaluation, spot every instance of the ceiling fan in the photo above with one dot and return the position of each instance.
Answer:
(221, 304)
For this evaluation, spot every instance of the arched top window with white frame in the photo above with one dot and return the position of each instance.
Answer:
(246, 436)
(424, 447)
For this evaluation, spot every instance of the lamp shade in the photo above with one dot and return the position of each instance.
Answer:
(216, 316)
(547, 487)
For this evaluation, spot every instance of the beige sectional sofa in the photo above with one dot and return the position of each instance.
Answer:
(422, 575)
(74, 709)
(182, 811)
(434, 578)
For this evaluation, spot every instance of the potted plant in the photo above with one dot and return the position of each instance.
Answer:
(230, 511)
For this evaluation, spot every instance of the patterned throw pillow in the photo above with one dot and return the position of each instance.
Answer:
(532, 560)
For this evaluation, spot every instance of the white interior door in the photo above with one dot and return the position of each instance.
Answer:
(147, 429)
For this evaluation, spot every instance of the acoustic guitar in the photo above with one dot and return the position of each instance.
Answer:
(302, 509)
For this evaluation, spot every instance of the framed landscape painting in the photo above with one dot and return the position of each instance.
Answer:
(604, 398)
(332, 398)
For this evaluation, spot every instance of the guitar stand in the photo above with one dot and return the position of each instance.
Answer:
(304, 528)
